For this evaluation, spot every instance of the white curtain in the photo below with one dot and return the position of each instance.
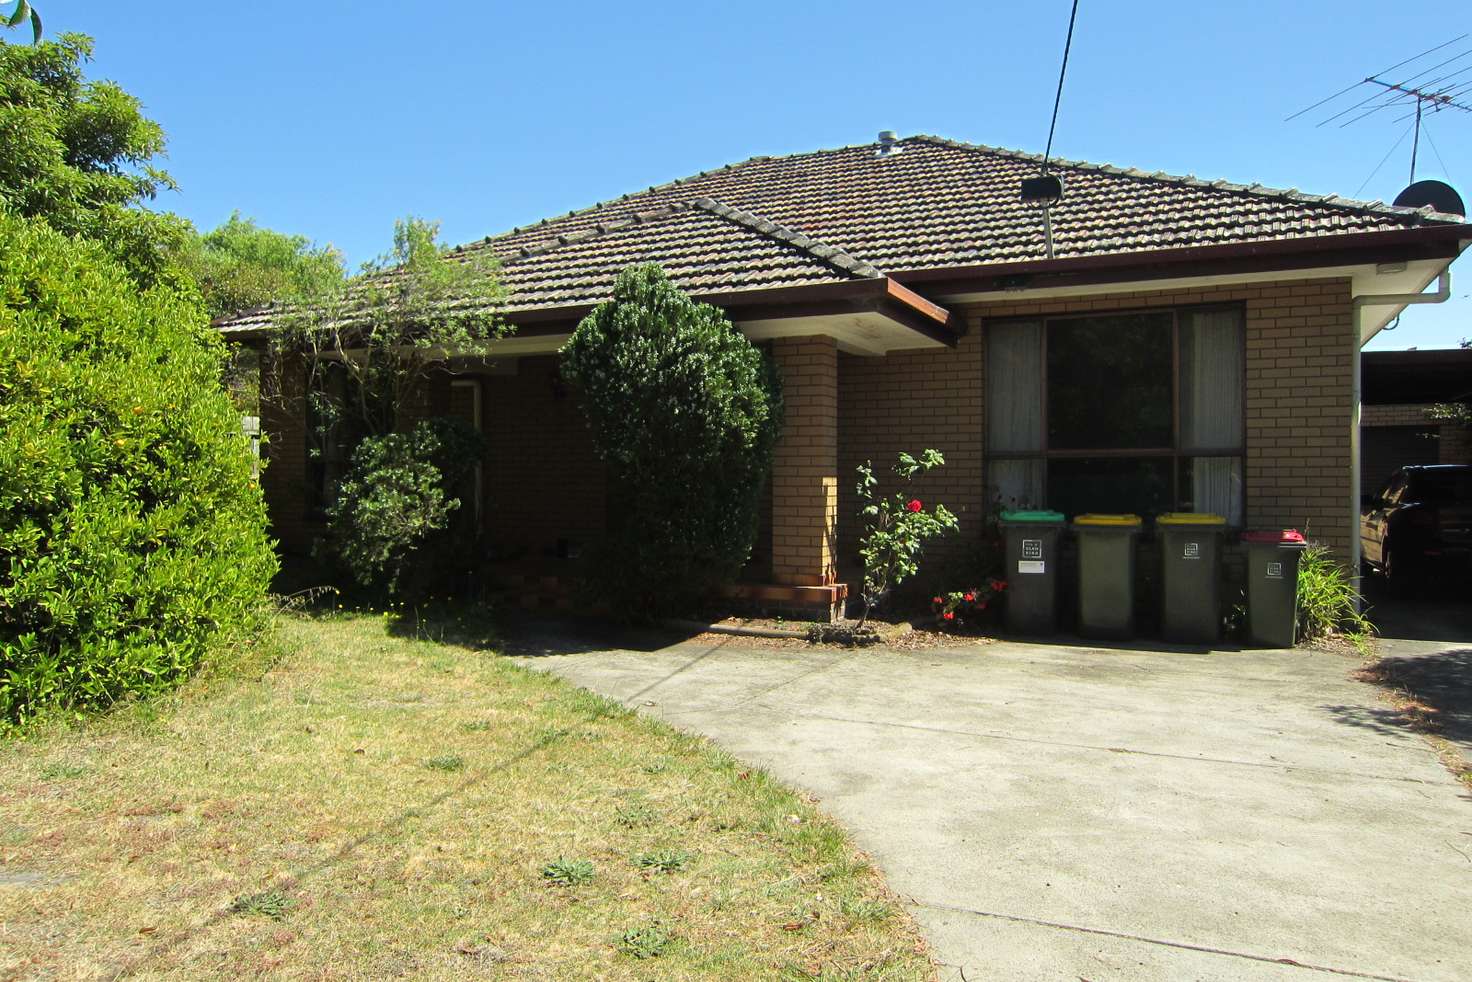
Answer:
(1211, 408)
(1014, 388)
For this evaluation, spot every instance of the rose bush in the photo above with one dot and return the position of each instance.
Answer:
(967, 609)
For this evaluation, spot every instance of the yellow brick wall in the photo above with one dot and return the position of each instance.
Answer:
(1299, 340)
(805, 463)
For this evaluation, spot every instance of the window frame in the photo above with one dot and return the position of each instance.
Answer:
(1176, 452)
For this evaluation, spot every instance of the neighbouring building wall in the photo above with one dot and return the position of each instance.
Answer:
(1453, 444)
(1299, 340)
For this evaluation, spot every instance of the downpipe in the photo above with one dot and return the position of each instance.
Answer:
(1442, 294)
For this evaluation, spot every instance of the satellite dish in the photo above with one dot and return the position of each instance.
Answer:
(1438, 194)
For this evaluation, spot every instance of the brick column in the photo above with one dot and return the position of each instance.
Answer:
(805, 466)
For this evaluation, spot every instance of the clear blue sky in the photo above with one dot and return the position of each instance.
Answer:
(332, 118)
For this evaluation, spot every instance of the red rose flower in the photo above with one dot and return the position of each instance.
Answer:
(937, 600)
(914, 504)
(949, 615)
(969, 597)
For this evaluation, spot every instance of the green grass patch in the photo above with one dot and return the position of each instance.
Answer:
(285, 816)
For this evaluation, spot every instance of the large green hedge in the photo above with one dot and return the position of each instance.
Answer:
(132, 536)
(685, 412)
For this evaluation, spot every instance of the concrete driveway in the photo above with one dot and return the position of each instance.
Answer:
(1059, 812)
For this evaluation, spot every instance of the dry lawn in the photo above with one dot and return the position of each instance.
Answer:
(365, 805)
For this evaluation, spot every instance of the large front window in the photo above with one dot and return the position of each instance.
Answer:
(1129, 412)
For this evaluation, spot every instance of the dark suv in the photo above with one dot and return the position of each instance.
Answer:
(1421, 519)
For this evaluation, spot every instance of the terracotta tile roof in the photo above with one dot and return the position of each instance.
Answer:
(935, 203)
(704, 245)
(857, 213)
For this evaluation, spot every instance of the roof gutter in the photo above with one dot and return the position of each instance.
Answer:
(1442, 294)
(1423, 242)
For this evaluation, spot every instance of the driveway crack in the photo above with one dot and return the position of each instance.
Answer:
(1163, 942)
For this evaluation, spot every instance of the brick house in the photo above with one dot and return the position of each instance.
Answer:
(1179, 344)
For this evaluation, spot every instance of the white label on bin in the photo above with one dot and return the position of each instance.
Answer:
(1192, 551)
(1032, 549)
(1035, 566)
(1275, 571)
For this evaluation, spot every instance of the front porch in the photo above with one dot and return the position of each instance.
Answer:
(542, 498)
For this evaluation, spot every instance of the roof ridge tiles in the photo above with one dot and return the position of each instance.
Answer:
(832, 255)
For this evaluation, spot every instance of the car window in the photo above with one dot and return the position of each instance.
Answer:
(1442, 487)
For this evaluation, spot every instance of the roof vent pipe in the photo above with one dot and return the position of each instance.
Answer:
(889, 144)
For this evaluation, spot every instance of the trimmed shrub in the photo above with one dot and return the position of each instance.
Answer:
(386, 528)
(684, 412)
(132, 536)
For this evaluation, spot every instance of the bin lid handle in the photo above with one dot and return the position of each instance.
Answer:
(1107, 521)
(1276, 536)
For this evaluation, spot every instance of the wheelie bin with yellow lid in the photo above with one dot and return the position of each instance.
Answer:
(1106, 575)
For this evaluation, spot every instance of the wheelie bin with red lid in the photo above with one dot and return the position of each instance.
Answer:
(1272, 585)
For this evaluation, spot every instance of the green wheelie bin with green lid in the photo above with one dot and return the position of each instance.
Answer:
(1106, 575)
(1190, 574)
(1272, 585)
(1032, 569)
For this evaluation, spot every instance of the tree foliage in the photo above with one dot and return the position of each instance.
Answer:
(79, 155)
(25, 12)
(241, 265)
(132, 536)
(392, 327)
(684, 412)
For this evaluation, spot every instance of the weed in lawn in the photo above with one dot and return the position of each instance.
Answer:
(568, 872)
(649, 941)
(61, 771)
(663, 861)
(634, 814)
(270, 903)
(447, 762)
(656, 766)
(476, 726)
(869, 911)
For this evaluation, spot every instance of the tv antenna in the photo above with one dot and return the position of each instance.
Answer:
(1443, 85)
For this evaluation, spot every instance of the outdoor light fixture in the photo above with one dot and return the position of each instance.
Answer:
(1045, 190)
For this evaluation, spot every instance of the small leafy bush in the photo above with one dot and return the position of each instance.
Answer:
(1328, 602)
(684, 412)
(967, 609)
(568, 872)
(895, 528)
(387, 527)
(132, 535)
